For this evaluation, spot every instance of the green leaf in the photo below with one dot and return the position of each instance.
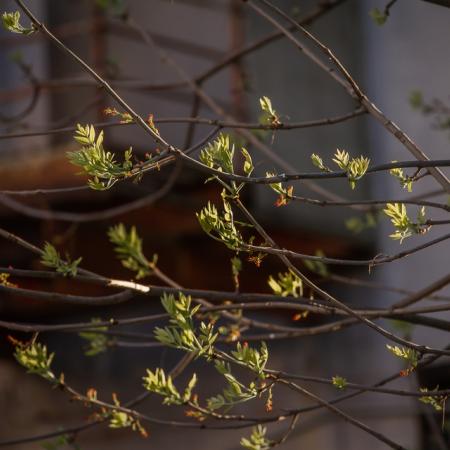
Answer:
(11, 21)
(404, 226)
(285, 193)
(358, 225)
(160, 383)
(236, 267)
(405, 328)
(269, 114)
(405, 181)
(115, 7)
(378, 16)
(221, 226)
(341, 158)
(4, 280)
(257, 440)
(219, 154)
(287, 284)
(182, 333)
(355, 168)
(252, 358)
(317, 266)
(408, 354)
(62, 442)
(248, 163)
(51, 258)
(189, 388)
(97, 342)
(96, 161)
(416, 100)
(128, 247)
(437, 402)
(339, 382)
(318, 162)
(122, 419)
(35, 358)
(235, 392)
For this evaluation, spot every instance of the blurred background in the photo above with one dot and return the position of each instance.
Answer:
(44, 94)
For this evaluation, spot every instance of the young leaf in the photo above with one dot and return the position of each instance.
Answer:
(248, 163)
(437, 402)
(122, 419)
(35, 358)
(251, 358)
(318, 162)
(285, 194)
(408, 354)
(269, 114)
(219, 154)
(339, 382)
(182, 333)
(221, 226)
(128, 246)
(317, 266)
(162, 384)
(405, 181)
(287, 284)
(51, 258)
(404, 226)
(342, 159)
(97, 342)
(236, 267)
(378, 16)
(96, 161)
(257, 440)
(4, 280)
(11, 21)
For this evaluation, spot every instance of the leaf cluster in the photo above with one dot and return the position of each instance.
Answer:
(287, 284)
(257, 440)
(360, 224)
(160, 383)
(355, 168)
(221, 226)
(317, 267)
(236, 267)
(35, 358)
(116, 7)
(4, 280)
(51, 258)
(285, 193)
(220, 155)
(404, 226)
(128, 246)
(235, 392)
(269, 115)
(410, 355)
(435, 108)
(378, 16)
(122, 419)
(437, 402)
(252, 358)
(182, 332)
(96, 161)
(60, 443)
(339, 382)
(125, 117)
(11, 22)
(406, 182)
(97, 342)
